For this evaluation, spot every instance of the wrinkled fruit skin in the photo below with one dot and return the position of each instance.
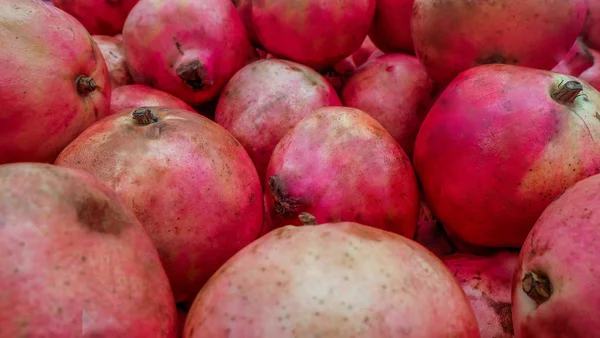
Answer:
(562, 247)
(265, 99)
(189, 182)
(451, 36)
(186, 48)
(75, 261)
(480, 131)
(391, 27)
(325, 166)
(577, 60)
(592, 74)
(332, 280)
(591, 30)
(487, 282)
(135, 96)
(41, 110)
(396, 91)
(287, 28)
(100, 17)
(114, 55)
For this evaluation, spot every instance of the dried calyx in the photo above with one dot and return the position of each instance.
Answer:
(85, 85)
(144, 116)
(567, 92)
(307, 219)
(194, 75)
(537, 287)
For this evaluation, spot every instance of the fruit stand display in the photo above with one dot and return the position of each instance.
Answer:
(299, 168)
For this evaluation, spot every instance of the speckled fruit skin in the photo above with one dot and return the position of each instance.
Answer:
(391, 26)
(562, 247)
(288, 29)
(396, 90)
(265, 99)
(102, 17)
(75, 262)
(190, 183)
(135, 96)
(592, 74)
(332, 280)
(487, 282)
(326, 166)
(187, 48)
(451, 36)
(44, 51)
(114, 55)
(578, 59)
(496, 149)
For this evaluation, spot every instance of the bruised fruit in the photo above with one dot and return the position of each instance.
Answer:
(326, 166)
(265, 99)
(391, 26)
(332, 280)
(396, 91)
(187, 48)
(75, 262)
(509, 139)
(136, 96)
(577, 60)
(54, 83)
(487, 282)
(555, 289)
(99, 17)
(451, 36)
(114, 55)
(189, 182)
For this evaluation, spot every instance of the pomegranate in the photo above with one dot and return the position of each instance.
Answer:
(364, 52)
(451, 36)
(288, 29)
(331, 280)
(555, 290)
(181, 317)
(103, 17)
(56, 85)
(187, 48)
(592, 74)
(114, 55)
(591, 30)
(265, 99)
(391, 27)
(431, 235)
(244, 8)
(325, 166)
(75, 262)
(189, 182)
(487, 282)
(499, 173)
(577, 60)
(396, 91)
(136, 96)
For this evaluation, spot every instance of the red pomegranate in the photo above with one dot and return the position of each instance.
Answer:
(136, 96)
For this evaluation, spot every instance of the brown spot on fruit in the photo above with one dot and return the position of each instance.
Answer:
(504, 312)
(285, 204)
(98, 215)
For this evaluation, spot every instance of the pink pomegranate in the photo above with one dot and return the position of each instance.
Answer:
(452, 36)
(487, 282)
(592, 74)
(396, 91)
(53, 84)
(244, 8)
(332, 280)
(364, 52)
(102, 17)
(577, 60)
(136, 96)
(499, 173)
(181, 317)
(75, 262)
(265, 99)
(114, 55)
(189, 182)
(591, 30)
(187, 48)
(555, 289)
(289, 29)
(391, 27)
(326, 166)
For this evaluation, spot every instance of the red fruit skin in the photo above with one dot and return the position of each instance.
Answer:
(591, 30)
(391, 26)
(396, 91)
(181, 317)
(451, 36)
(187, 180)
(75, 262)
(287, 29)
(99, 17)
(332, 280)
(577, 60)
(114, 55)
(562, 246)
(499, 173)
(41, 109)
(163, 38)
(431, 235)
(265, 99)
(364, 52)
(487, 282)
(325, 166)
(135, 96)
(592, 74)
